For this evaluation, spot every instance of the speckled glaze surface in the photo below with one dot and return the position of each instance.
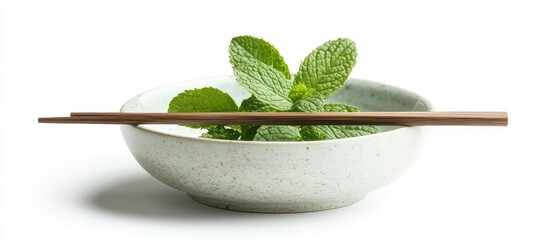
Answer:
(276, 177)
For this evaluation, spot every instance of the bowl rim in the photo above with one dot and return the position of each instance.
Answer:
(213, 141)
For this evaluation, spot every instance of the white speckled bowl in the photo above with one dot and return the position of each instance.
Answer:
(276, 176)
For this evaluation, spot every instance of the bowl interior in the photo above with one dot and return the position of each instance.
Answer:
(367, 95)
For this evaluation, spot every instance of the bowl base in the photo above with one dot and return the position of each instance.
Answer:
(294, 207)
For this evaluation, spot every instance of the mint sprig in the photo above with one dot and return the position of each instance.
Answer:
(259, 68)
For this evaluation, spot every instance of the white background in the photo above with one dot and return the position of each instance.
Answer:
(69, 182)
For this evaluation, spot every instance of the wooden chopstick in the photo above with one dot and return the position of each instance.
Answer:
(289, 118)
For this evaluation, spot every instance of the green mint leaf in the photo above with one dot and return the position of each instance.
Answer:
(328, 66)
(309, 133)
(248, 132)
(248, 49)
(311, 104)
(340, 107)
(327, 132)
(300, 91)
(277, 133)
(252, 104)
(206, 99)
(220, 132)
(266, 84)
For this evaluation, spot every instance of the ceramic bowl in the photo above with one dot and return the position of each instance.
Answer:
(276, 177)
